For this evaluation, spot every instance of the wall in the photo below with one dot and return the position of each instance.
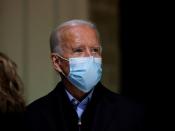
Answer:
(25, 26)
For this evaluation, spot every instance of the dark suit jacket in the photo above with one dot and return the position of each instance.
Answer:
(106, 111)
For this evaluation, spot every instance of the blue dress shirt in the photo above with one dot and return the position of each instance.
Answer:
(80, 106)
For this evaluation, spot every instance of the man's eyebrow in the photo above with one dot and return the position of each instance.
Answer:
(78, 46)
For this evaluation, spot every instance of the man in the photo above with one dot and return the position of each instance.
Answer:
(80, 102)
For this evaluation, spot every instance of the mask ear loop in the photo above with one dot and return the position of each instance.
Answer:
(63, 59)
(61, 56)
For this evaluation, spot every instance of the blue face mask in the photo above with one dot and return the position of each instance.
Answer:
(85, 72)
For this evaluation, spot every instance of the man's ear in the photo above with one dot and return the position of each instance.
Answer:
(56, 62)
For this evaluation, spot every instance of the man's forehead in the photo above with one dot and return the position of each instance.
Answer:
(76, 28)
(79, 31)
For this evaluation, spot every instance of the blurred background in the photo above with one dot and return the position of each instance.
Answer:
(25, 27)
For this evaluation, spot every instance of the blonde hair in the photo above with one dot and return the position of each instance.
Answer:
(11, 86)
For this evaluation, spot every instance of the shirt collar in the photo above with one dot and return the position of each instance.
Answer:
(83, 103)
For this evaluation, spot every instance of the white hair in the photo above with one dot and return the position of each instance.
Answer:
(55, 39)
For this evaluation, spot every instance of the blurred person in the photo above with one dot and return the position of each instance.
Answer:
(80, 102)
(12, 103)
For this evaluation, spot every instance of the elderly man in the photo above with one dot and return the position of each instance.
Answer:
(80, 102)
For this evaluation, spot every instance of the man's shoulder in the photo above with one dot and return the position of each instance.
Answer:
(120, 101)
(45, 101)
(40, 102)
(122, 106)
(121, 109)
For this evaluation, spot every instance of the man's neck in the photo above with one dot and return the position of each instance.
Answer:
(79, 95)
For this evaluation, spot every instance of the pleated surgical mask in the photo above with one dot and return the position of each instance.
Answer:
(84, 72)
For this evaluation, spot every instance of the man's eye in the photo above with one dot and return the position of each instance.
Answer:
(96, 50)
(78, 50)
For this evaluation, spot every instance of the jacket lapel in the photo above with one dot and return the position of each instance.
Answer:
(65, 114)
